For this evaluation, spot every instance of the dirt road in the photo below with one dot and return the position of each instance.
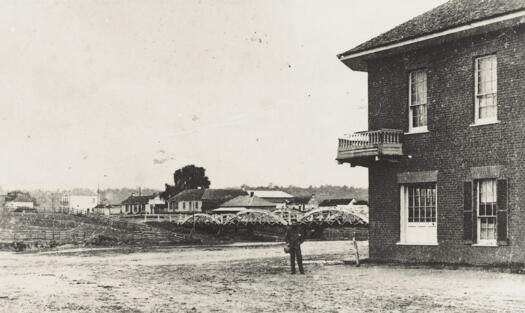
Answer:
(243, 279)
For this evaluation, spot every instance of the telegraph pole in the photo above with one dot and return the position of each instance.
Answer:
(53, 214)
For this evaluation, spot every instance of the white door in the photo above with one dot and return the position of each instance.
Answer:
(419, 213)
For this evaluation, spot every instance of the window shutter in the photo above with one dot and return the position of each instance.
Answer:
(502, 226)
(468, 225)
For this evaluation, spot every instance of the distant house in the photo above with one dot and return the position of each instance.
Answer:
(155, 205)
(336, 202)
(16, 200)
(245, 202)
(201, 200)
(78, 204)
(303, 204)
(280, 198)
(186, 201)
(136, 204)
(139, 204)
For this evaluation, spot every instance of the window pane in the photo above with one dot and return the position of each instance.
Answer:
(419, 115)
(418, 87)
(421, 203)
(487, 228)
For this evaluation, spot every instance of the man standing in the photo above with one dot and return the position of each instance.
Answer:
(294, 238)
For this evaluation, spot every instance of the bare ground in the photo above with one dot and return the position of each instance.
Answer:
(243, 279)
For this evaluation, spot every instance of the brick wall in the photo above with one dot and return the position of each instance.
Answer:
(451, 146)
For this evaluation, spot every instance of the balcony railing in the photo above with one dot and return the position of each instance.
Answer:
(358, 148)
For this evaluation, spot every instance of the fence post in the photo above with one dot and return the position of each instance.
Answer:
(356, 252)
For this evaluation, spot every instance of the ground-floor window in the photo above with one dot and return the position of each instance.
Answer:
(419, 213)
(487, 211)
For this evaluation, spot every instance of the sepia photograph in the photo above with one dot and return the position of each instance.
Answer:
(209, 156)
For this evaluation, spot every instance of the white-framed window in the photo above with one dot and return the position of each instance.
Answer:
(419, 213)
(486, 211)
(417, 100)
(486, 89)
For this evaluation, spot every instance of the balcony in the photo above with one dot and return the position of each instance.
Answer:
(362, 148)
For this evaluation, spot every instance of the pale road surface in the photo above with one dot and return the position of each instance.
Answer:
(244, 279)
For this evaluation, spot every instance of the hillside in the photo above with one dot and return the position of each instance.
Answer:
(45, 228)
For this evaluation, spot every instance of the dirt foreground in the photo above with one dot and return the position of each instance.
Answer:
(243, 279)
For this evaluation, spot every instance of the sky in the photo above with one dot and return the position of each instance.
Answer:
(123, 93)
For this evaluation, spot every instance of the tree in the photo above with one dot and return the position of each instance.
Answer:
(187, 177)
(191, 177)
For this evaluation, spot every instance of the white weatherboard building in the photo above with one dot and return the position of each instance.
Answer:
(75, 204)
(13, 205)
(17, 200)
(155, 205)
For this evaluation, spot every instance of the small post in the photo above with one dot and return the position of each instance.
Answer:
(356, 252)
(193, 227)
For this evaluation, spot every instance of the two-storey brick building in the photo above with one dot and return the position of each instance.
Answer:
(445, 147)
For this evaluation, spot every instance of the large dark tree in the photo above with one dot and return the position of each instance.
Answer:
(188, 177)
(191, 177)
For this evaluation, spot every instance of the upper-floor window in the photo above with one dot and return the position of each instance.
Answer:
(486, 77)
(417, 101)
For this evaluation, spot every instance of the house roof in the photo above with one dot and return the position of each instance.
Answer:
(247, 201)
(18, 196)
(188, 195)
(301, 200)
(335, 202)
(271, 194)
(21, 197)
(212, 195)
(452, 14)
(222, 194)
(138, 199)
